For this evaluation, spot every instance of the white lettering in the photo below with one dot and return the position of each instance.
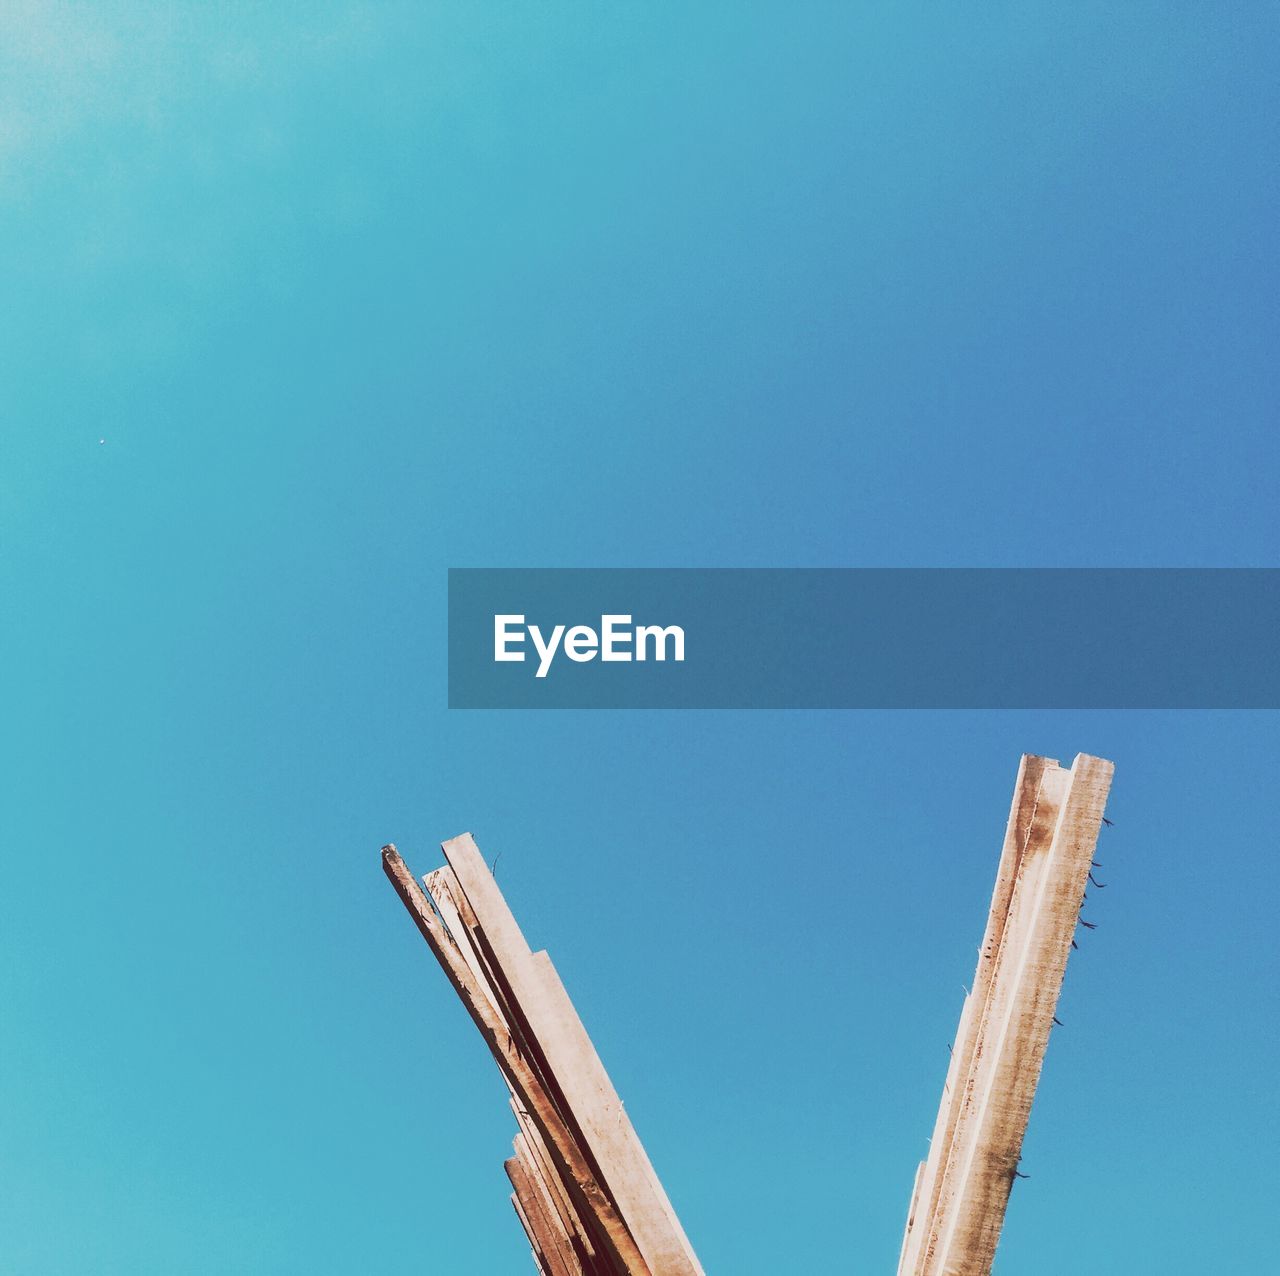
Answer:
(502, 636)
(616, 640)
(611, 637)
(546, 650)
(580, 643)
(660, 635)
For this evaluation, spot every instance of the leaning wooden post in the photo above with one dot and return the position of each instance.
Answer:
(962, 1190)
(585, 1190)
(523, 1079)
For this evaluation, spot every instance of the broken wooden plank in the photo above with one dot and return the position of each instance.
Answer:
(556, 1034)
(570, 1161)
(963, 1190)
(573, 1223)
(609, 1133)
(537, 1170)
(555, 1256)
(1026, 795)
(458, 917)
(530, 1234)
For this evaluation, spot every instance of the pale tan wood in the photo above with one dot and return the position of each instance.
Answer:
(586, 1193)
(547, 1243)
(570, 1160)
(1027, 798)
(610, 1134)
(554, 1007)
(911, 1215)
(529, 1234)
(572, 1221)
(555, 1034)
(456, 913)
(564, 1240)
(962, 1191)
(460, 917)
(446, 895)
(991, 1023)
(1020, 1017)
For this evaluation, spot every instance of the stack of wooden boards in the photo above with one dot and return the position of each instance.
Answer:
(962, 1190)
(585, 1192)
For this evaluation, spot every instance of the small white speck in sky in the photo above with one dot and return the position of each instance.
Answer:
(101, 442)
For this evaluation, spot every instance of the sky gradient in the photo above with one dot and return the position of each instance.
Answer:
(304, 305)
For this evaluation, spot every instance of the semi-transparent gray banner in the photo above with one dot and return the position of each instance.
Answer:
(864, 638)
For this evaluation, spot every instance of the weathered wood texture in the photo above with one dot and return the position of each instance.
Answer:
(536, 1168)
(549, 1244)
(584, 1187)
(962, 1189)
(576, 1173)
(548, 1022)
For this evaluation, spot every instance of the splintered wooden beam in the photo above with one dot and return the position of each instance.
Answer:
(549, 1242)
(585, 1191)
(1016, 842)
(571, 1222)
(556, 1038)
(962, 1190)
(573, 1166)
(460, 921)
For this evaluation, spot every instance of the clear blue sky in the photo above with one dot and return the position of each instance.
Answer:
(358, 293)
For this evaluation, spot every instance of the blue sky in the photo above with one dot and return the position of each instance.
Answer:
(358, 293)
